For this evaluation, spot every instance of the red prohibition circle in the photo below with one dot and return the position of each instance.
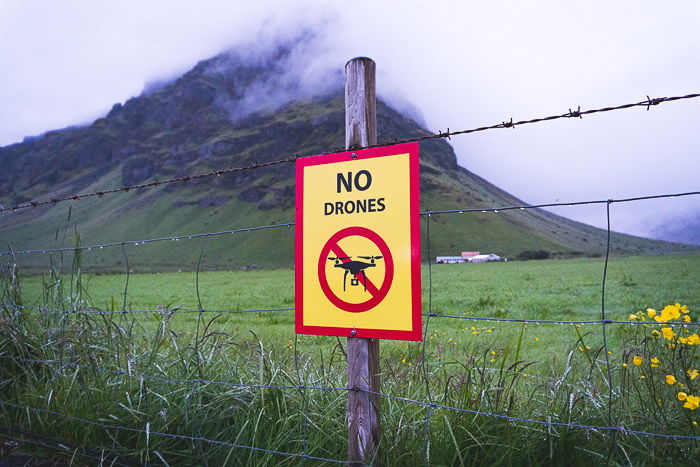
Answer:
(332, 244)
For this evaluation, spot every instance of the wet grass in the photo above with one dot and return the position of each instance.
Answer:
(543, 372)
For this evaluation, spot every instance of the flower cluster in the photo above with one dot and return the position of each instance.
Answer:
(669, 313)
(672, 329)
(691, 402)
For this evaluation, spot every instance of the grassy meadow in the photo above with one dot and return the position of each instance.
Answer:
(546, 372)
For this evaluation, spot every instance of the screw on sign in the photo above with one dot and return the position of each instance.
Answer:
(357, 268)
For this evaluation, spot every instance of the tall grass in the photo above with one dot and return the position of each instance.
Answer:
(211, 382)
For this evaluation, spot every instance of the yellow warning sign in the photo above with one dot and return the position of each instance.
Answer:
(357, 244)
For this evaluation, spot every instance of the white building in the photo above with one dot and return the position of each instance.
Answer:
(449, 259)
(484, 258)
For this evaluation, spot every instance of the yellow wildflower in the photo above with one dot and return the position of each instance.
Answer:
(668, 333)
(686, 318)
(693, 374)
(403, 361)
(694, 422)
(684, 309)
(535, 339)
(633, 317)
(683, 340)
(655, 333)
(489, 330)
(642, 377)
(692, 402)
(651, 312)
(624, 365)
(655, 362)
(682, 396)
(637, 360)
(693, 339)
(670, 380)
(670, 312)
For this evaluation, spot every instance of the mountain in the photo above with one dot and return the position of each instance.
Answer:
(231, 111)
(683, 229)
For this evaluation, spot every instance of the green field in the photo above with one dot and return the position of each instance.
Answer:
(547, 372)
(538, 290)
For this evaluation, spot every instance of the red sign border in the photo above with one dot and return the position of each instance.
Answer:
(415, 333)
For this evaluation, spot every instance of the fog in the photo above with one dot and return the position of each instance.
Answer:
(458, 65)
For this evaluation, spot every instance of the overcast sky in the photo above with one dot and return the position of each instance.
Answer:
(463, 63)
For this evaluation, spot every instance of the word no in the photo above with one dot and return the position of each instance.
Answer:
(346, 182)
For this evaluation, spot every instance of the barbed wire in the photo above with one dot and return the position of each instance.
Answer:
(521, 207)
(170, 435)
(648, 103)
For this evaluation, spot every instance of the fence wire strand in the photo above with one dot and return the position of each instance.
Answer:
(61, 445)
(168, 435)
(648, 103)
(289, 225)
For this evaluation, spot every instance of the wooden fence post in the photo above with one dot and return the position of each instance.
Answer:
(363, 354)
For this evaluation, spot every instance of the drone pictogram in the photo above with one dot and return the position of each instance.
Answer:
(355, 268)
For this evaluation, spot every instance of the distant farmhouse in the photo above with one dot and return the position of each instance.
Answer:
(468, 257)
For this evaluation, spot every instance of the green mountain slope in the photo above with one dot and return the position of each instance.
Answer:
(232, 112)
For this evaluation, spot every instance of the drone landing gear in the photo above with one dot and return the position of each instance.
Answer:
(355, 279)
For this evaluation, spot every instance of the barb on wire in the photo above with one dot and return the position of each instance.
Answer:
(447, 135)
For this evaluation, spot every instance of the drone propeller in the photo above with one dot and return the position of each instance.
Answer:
(333, 258)
(370, 257)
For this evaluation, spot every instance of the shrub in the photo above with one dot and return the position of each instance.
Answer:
(533, 254)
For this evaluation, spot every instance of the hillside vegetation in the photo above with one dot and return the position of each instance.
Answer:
(207, 119)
